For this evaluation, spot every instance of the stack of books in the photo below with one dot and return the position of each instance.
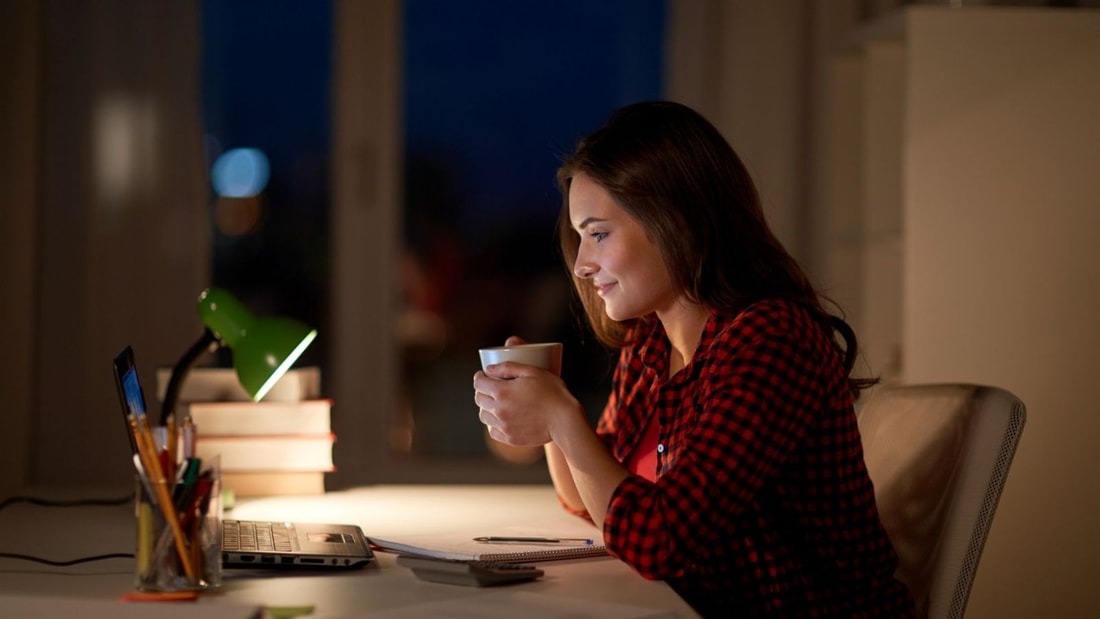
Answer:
(280, 445)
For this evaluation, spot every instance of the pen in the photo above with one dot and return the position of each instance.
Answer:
(151, 463)
(533, 540)
(173, 442)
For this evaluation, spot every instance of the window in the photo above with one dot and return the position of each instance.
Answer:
(492, 94)
(266, 83)
(496, 93)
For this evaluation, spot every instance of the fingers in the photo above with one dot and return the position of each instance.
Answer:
(511, 369)
(511, 400)
(483, 383)
(488, 384)
(484, 392)
(498, 435)
(514, 340)
(482, 399)
(495, 428)
(488, 419)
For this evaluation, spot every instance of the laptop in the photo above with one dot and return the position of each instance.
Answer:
(259, 544)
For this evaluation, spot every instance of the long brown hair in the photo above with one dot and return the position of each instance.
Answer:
(672, 171)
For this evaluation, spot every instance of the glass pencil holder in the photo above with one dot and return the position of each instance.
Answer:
(181, 549)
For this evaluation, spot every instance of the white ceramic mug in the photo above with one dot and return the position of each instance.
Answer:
(546, 355)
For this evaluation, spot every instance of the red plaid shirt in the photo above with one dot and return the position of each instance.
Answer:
(762, 504)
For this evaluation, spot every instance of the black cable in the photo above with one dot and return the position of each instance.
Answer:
(66, 503)
(69, 503)
(115, 555)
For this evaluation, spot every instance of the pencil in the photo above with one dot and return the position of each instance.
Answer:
(149, 459)
(145, 537)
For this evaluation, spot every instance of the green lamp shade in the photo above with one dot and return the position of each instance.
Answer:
(263, 348)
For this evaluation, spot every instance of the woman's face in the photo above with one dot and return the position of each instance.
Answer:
(616, 255)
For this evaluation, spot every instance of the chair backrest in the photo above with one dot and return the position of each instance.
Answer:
(938, 456)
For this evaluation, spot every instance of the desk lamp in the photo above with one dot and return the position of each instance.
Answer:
(263, 348)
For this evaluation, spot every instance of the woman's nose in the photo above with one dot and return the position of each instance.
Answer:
(583, 268)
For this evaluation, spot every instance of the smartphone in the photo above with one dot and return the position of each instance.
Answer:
(130, 395)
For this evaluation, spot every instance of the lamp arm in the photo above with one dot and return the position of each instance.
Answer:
(183, 366)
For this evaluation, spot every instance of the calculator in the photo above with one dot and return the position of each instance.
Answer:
(469, 573)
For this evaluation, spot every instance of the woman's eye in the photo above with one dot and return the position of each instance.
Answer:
(599, 236)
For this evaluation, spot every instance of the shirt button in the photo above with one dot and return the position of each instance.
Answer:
(661, 448)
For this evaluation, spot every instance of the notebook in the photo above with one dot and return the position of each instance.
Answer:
(260, 544)
(559, 542)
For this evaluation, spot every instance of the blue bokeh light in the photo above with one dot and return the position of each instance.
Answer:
(240, 173)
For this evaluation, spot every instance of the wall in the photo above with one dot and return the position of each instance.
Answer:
(881, 235)
(744, 65)
(1001, 196)
(19, 64)
(109, 241)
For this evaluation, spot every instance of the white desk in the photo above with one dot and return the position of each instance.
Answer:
(386, 588)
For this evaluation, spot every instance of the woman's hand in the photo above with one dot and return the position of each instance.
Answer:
(522, 404)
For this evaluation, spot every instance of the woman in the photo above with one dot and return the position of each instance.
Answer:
(727, 461)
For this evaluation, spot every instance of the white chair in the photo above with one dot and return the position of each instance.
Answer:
(938, 456)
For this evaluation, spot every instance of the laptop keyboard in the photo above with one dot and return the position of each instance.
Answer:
(257, 536)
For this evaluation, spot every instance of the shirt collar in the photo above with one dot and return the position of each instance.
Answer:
(653, 345)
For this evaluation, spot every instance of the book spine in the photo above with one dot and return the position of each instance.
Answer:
(544, 555)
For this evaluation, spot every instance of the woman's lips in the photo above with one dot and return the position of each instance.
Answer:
(601, 289)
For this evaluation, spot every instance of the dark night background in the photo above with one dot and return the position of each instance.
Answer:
(495, 93)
